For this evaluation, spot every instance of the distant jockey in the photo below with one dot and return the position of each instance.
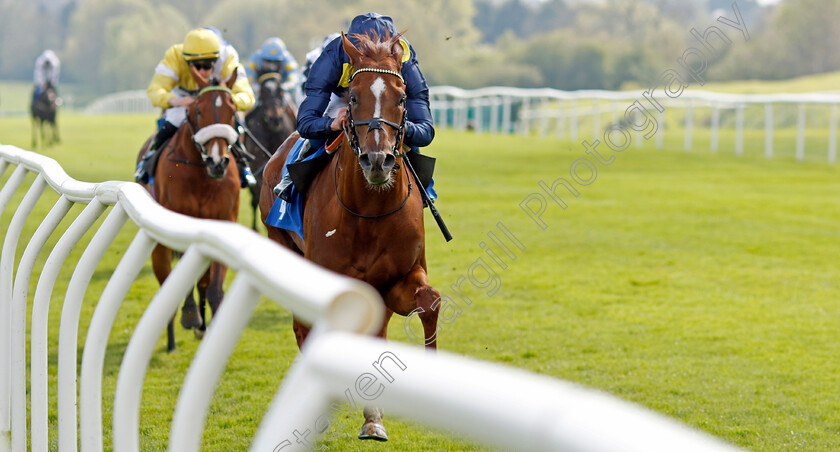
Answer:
(273, 57)
(47, 69)
(173, 87)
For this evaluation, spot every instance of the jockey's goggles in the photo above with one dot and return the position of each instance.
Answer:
(205, 65)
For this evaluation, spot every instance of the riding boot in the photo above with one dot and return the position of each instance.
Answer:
(246, 176)
(283, 190)
(164, 133)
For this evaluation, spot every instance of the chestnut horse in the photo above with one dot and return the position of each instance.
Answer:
(195, 176)
(271, 121)
(364, 213)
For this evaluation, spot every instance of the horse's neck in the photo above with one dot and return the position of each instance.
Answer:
(183, 137)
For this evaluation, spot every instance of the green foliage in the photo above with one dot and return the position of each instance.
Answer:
(801, 38)
(111, 45)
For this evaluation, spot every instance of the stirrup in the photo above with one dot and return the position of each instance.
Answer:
(283, 189)
(140, 174)
(249, 177)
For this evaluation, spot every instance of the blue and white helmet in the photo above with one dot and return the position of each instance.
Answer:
(273, 49)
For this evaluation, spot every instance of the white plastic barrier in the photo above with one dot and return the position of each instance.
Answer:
(312, 293)
(527, 110)
(469, 398)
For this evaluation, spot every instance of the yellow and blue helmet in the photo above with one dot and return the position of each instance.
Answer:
(273, 49)
(201, 44)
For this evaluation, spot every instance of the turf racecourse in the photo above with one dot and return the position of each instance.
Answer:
(702, 286)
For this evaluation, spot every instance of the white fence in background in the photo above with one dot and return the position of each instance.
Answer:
(542, 111)
(122, 102)
(500, 406)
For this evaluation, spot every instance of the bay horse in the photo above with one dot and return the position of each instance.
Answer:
(269, 123)
(195, 176)
(364, 213)
(43, 110)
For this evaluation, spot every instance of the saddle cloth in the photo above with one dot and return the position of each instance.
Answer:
(289, 215)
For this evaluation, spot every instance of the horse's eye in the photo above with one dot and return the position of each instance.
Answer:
(353, 99)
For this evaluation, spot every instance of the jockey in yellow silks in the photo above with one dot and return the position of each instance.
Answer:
(173, 87)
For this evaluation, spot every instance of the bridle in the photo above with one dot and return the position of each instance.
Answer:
(373, 123)
(202, 136)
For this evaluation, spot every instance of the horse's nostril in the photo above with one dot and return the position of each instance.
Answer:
(364, 162)
(390, 160)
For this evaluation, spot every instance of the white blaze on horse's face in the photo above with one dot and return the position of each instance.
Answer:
(215, 154)
(377, 88)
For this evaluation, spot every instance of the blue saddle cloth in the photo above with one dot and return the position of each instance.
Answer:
(289, 215)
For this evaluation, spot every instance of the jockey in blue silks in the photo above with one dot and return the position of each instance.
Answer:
(322, 112)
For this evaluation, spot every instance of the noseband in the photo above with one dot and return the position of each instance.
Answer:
(203, 135)
(374, 123)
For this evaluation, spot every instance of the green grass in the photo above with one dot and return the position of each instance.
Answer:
(702, 286)
(805, 84)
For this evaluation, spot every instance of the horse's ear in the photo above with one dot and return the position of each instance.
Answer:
(397, 49)
(199, 80)
(232, 79)
(351, 50)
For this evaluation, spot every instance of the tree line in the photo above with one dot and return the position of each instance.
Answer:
(113, 45)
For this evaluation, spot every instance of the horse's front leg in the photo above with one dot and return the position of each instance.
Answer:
(210, 290)
(413, 295)
(162, 265)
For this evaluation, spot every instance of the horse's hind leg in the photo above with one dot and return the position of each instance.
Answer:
(34, 132)
(55, 139)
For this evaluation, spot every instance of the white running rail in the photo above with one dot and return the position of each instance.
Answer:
(503, 407)
(563, 113)
(543, 111)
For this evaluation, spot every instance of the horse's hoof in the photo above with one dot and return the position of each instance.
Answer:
(199, 333)
(190, 318)
(373, 431)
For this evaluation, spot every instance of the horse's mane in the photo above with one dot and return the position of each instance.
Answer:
(373, 46)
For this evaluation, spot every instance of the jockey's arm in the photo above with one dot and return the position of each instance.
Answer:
(291, 71)
(165, 79)
(419, 124)
(323, 77)
(160, 90)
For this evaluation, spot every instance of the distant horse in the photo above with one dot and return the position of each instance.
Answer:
(196, 176)
(364, 213)
(270, 122)
(43, 110)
